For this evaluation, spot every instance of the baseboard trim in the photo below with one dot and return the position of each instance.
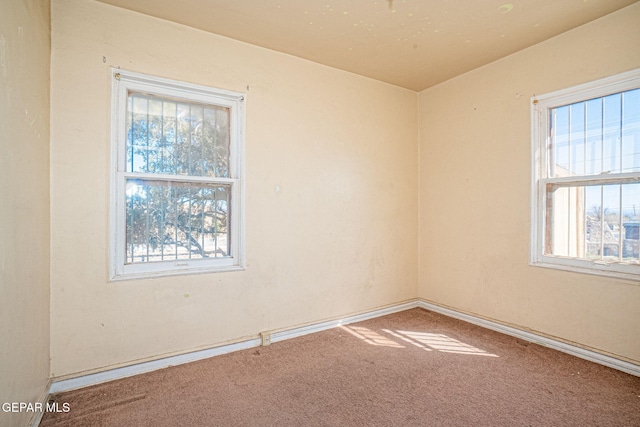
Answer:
(35, 419)
(564, 347)
(317, 327)
(141, 368)
(58, 386)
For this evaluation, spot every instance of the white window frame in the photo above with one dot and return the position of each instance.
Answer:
(540, 113)
(124, 82)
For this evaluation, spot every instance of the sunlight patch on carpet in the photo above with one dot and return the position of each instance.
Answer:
(371, 337)
(441, 342)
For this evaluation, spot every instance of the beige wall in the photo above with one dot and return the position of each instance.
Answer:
(331, 207)
(332, 179)
(24, 206)
(475, 187)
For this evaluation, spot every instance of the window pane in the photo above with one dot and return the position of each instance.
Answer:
(558, 221)
(631, 131)
(630, 221)
(174, 221)
(597, 222)
(596, 136)
(577, 139)
(611, 133)
(165, 136)
(559, 161)
(610, 214)
(593, 224)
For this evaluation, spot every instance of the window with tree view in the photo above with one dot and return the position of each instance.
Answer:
(178, 169)
(587, 178)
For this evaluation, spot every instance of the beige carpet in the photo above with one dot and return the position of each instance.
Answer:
(414, 368)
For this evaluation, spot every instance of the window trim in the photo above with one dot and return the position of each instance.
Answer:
(540, 106)
(124, 82)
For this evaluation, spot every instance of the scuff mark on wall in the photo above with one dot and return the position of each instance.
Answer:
(376, 261)
(3, 55)
(36, 118)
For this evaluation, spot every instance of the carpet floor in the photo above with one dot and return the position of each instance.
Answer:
(413, 368)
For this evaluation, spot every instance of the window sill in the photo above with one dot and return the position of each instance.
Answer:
(177, 272)
(614, 271)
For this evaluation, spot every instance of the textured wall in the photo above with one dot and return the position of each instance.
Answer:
(475, 171)
(24, 204)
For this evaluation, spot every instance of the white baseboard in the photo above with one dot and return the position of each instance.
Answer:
(317, 327)
(36, 417)
(58, 386)
(564, 347)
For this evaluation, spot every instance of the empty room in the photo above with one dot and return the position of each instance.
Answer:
(301, 212)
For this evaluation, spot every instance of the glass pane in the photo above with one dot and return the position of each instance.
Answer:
(593, 224)
(165, 136)
(631, 131)
(611, 133)
(630, 221)
(558, 221)
(611, 221)
(601, 135)
(597, 222)
(594, 136)
(577, 139)
(560, 141)
(173, 221)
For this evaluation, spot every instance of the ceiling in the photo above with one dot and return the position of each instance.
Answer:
(409, 43)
